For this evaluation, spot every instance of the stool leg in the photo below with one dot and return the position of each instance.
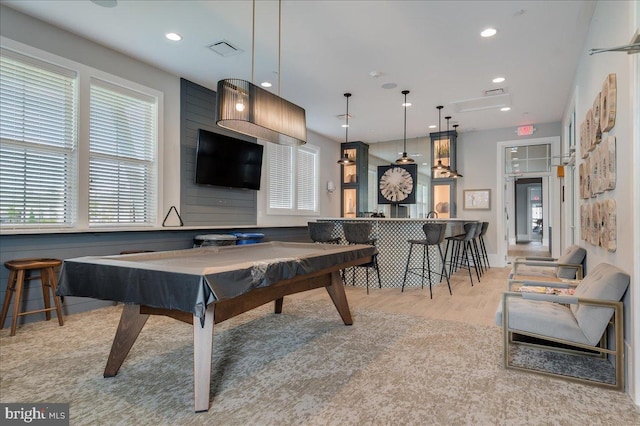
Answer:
(45, 283)
(56, 299)
(406, 270)
(444, 269)
(16, 301)
(11, 285)
(426, 251)
(424, 254)
(466, 256)
(375, 262)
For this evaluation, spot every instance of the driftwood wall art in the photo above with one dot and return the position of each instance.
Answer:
(597, 171)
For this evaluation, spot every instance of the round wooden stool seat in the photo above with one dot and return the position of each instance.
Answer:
(19, 272)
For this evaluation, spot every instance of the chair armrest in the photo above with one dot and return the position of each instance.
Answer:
(562, 299)
(577, 267)
(554, 284)
(555, 298)
(548, 259)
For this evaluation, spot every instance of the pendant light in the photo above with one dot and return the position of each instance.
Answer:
(243, 107)
(405, 159)
(439, 166)
(454, 173)
(345, 160)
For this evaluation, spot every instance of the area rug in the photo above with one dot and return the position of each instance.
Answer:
(302, 367)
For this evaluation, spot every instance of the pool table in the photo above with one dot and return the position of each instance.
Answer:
(205, 286)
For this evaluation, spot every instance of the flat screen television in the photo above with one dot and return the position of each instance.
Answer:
(227, 161)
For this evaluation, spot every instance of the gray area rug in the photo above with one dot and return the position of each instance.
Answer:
(303, 367)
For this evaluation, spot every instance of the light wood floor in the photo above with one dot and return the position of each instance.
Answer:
(475, 305)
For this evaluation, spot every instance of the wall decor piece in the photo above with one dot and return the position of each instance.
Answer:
(477, 199)
(581, 180)
(397, 184)
(596, 175)
(587, 223)
(610, 149)
(584, 152)
(594, 237)
(608, 97)
(583, 221)
(587, 178)
(609, 233)
(603, 154)
(596, 133)
(590, 144)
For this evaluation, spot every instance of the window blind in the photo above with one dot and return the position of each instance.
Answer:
(38, 128)
(281, 175)
(307, 194)
(122, 161)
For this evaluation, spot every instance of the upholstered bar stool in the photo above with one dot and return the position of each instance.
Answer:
(19, 272)
(477, 254)
(322, 232)
(434, 236)
(360, 233)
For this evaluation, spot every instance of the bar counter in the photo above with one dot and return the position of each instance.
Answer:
(391, 240)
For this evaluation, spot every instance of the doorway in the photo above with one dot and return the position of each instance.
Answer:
(528, 210)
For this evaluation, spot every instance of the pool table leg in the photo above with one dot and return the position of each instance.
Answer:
(129, 327)
(202, 347)
(336, 292)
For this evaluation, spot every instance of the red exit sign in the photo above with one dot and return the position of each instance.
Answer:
(526, 130)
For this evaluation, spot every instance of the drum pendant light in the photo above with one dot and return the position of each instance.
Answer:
(243, 107)
(405, 159)
(439, 166)
(345, 160)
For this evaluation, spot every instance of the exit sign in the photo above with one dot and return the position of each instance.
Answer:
(526, 130)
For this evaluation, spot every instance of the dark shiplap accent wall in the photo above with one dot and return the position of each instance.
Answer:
(202, 205)
(66, 246)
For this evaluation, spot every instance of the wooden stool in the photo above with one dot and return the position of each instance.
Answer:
(18, 274)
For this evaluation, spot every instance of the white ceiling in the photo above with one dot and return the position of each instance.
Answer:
(432, 48)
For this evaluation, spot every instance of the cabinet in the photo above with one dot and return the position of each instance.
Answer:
(354, 179)
(443, 187)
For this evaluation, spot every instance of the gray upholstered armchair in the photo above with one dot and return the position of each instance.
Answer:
(559, 321)
(568, 266)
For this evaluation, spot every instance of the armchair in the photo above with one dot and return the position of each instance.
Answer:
(577, 324)
(567, 266)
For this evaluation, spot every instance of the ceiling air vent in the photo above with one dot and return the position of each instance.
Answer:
(496, 98)
(225, 48)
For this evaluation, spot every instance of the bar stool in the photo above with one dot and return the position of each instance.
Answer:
(359, 233)
(483, 248)
(477, 255)
(434, 236)
(322, 232)
(19, 272)
(461, 249)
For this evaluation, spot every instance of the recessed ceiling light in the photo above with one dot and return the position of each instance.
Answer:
(266, 84)
(173, 36)
(406, 104)
(345, 125)
(433, 126)
(389, 86)
(489, 32)
(505, 109)
(498, 79)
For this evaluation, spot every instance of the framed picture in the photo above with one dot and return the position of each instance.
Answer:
(477, 199)
(397, 184)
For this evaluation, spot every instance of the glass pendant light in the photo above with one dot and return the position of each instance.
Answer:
(405, 159)
(345, 160)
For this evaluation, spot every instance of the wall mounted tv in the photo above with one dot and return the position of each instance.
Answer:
(227, 161)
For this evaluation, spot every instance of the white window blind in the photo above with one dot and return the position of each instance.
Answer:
(307, 179)
(293, 179)
(122, 163)
(38, 128)
(280, 176)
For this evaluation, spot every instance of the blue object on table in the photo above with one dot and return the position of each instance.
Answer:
(248, 237)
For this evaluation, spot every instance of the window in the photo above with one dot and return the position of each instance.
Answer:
(122, 176)
(528, 158)
(38, 142)
(55, 173)
(293, 179)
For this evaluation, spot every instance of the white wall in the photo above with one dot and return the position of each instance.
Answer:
(613, 24)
